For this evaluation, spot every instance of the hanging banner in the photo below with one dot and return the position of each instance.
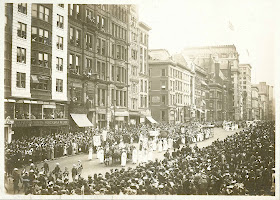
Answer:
(154, 133)
(96, 140)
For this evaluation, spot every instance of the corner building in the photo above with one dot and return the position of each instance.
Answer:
(35, 70)
(171, 87)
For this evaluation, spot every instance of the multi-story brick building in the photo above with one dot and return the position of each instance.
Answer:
(171, 87)
(35, 69)
(98, 63)
(143, 75)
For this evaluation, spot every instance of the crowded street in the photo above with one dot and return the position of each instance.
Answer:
(97, 169)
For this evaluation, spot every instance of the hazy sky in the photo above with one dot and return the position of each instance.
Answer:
(181, 23)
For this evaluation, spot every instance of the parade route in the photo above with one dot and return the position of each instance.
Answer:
(90, 167)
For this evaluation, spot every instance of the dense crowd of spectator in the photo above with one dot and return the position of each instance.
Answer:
(22, 152)
(240, 165)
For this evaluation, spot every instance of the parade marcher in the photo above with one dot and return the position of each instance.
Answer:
(101, 155)
(134, 155)
(150, 153)
(123, 158)
(165, 145)
(90, 152)
(160, 145)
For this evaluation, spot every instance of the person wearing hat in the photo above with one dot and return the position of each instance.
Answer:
(25, 182)
(90, 152)
(80, 167)
(16, 180)
(56, 170)
(134, 155)
(45, 167)
(74, 172)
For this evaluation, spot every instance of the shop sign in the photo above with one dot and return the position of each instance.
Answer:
(22, 123)
(29, 123)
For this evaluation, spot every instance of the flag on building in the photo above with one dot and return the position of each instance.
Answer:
(231, 27)
(248, 52)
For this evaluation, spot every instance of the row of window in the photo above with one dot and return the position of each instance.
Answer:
(119, 98)
(143, 101)
(119, 52)
(41, 12)
(41, 35)
(119, 32)
(120, 13)
(44, 36)
(34, 111)
(21, 83)
(143, 86)
(42, 59)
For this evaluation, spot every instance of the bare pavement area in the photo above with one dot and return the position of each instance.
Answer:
(91, 167)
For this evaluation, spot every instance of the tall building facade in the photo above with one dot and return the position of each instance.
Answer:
(255, 102)
(227, 58)
(35, 74)
(138, 73)
(171, 87)
(267, 101)
(98, 63)
(143, 75)
(245, 83)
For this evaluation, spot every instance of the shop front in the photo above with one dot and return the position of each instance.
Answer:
(34, 118)
(37, 127)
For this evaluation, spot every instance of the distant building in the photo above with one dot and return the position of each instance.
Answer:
(225, 57)
(255, 102)
(245, 83)
(171, 87)
(267, 101)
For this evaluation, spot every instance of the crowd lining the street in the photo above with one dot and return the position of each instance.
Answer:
(240, 165)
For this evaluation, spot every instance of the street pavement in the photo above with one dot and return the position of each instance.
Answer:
(90, 167)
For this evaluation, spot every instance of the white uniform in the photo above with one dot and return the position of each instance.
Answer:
(90, 153)
(170, 143)
(150, 154)
(140, 156)
(134, 156)
(145, 156)
(123, 159)
(101, 156)
(165, 144)
(160, 146)
(154, 145)
(98, 153)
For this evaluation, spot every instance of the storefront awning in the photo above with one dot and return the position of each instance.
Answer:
(151, 119)
(81, 120)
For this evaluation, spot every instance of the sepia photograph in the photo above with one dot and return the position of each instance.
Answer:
(153, 99)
